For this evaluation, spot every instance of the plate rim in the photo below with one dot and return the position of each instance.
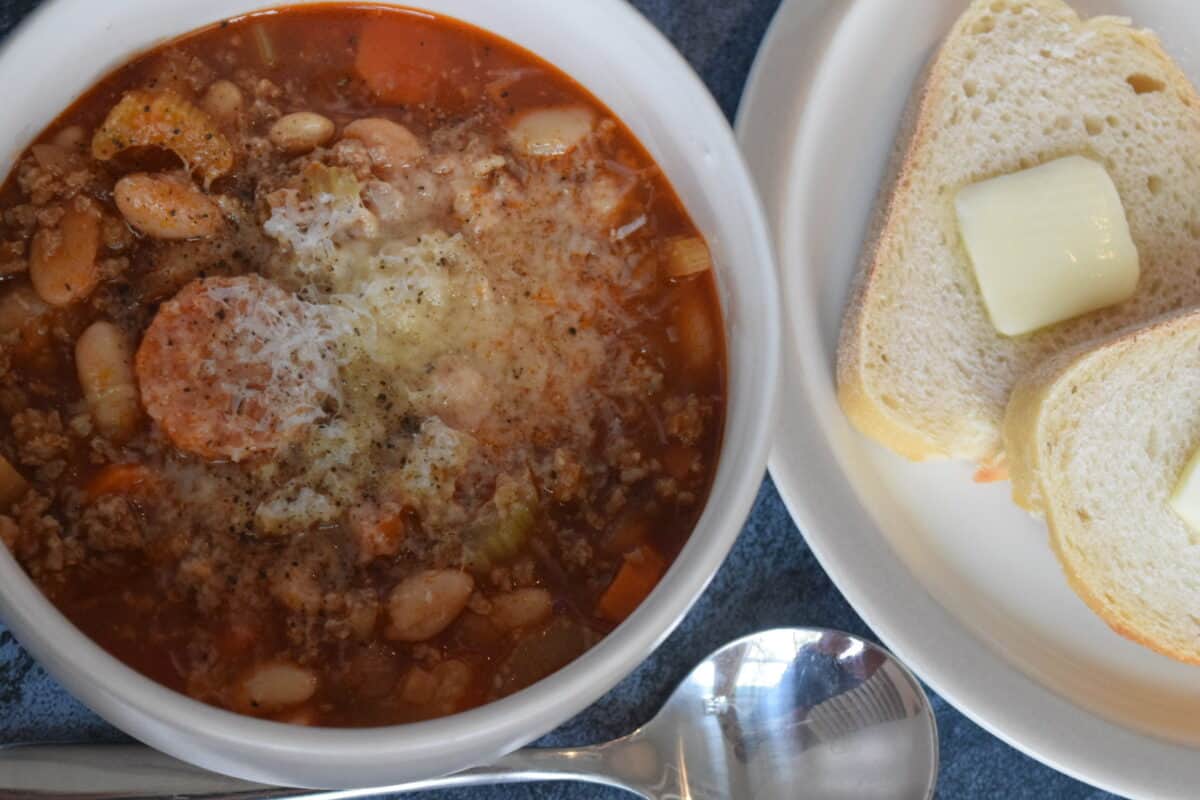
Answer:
(978, 682)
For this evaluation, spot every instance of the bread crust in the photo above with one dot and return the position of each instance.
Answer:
(866, 412)
(1025, 437)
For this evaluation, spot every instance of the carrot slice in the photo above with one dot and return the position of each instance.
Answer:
(120, 479)
(991, 473)
(635, 580)
(403, 59)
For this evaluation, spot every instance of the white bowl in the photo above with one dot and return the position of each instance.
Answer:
(624, 61)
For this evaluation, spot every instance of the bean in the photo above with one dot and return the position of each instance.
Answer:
(392, 146)
(104, 362)
(163, 208)
(62, 260)
(699, 337)
(301, 132)
(275, 686)
(223, 100)
(551, 132)
(425, 604)
(520, 608)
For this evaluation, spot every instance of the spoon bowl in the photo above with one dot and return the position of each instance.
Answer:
(797, 712)
(786, 713)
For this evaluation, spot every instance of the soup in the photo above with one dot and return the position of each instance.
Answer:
(357, 367)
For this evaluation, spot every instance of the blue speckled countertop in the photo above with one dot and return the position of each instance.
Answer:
(771, 579)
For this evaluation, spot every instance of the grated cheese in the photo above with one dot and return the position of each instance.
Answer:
(485, 310)
(291, 507)
(292, 340)
(438, 454)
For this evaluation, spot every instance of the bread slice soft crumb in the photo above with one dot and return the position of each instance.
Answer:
(1017, 83)
(1097, 438)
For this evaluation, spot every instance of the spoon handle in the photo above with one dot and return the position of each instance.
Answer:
(136, 772)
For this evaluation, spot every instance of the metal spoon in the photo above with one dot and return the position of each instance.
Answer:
(787, 713)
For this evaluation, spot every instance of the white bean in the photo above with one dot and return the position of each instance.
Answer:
(520, 608)
(222, 99)
(62, 260)
(163, 208)
(392, 146)
(551, 132)
(104, 362)
(301, 132)
(699, 337)
(424, 605)
(278, 685)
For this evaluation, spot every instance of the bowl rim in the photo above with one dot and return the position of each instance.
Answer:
(158, 715)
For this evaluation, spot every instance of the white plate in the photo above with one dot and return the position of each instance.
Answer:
(953, 577)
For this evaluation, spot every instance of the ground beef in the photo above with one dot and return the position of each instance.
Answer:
(112, 268)
(21, 218)
(352, 155)
(40, 438)
(12, 397)
(40, 545)
(567, 476)
(351, 614)
(13, 266)
(685, 419)
(574, 549)
(112, 523)
(39, 184)
(185, 74)
(116, 233)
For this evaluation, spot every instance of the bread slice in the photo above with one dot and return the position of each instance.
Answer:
(1015, 84)
(1098, 439)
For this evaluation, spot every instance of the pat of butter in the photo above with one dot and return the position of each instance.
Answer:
(1185, 501)
(1047, 243)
